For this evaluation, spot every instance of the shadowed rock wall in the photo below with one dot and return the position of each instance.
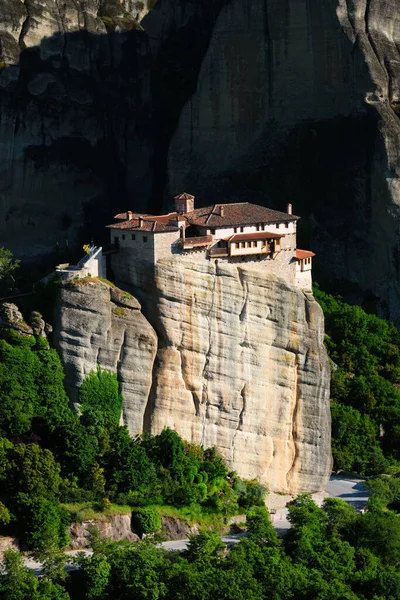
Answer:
(269, 101)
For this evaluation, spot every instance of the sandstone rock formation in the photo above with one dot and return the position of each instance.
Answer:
(297, 101)
(100, 325)
(116, 528)
(240, 364)
(11, 318)
(80, 75)
(274, 102)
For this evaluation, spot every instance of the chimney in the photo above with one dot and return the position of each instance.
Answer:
(221, 211)
(289, 209)
(184, 203)
(140, 222)
(130, 215)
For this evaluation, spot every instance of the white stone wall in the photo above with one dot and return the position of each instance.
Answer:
(250, 248)
(228, 231)
(304, 274)
(141, 243)
(93, 265)
(166, 245)
(304, 279)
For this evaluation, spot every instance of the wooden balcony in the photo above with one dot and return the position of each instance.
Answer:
(219, 252)
(197, 242)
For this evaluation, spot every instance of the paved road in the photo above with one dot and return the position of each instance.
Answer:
(349, 489)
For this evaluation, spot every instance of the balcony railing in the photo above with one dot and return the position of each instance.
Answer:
(218, 252)
(196, 242)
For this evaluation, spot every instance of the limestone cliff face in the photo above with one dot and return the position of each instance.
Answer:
(276, 101)
(73, 104)
(100, 326)
(240, 365)
(295, 101)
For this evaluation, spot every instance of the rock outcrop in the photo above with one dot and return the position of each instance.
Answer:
(116, 528)
(98, 325)
(240, 364)
(11, 318)
(299, 101)
(275, 102)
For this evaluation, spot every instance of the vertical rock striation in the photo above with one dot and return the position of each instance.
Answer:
(98, 325)
(240, 365)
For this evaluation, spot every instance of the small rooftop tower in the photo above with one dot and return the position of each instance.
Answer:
(184, 203)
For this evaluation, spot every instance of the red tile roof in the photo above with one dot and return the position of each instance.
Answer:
(257, 235)
(236, 214)
(155, 224)
(300, 254)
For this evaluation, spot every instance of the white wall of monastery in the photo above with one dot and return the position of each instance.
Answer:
(304, 274)
(140, 243)
(228, 231)
(92, 265)
(167, 245)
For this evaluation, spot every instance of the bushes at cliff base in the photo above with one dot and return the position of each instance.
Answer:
(365, 390)
(146, 520)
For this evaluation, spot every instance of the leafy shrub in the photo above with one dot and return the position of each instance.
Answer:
(251, 493)
(100, 392)
(146, 520)
(44, 523)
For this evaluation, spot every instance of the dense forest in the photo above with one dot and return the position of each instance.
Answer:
(330, 553)
(56, 460)
(365, 390)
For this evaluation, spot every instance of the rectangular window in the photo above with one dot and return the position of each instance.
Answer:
(254, 244)
(116, 239)
(123, 236)
(212, 231)
(258, 227)
(241, 229)
(144, 239)
(243, 244)
(133, 237)
(235, 229)
(263, 227)
(277, 225)
(287, 225)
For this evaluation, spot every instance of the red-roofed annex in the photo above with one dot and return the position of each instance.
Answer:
(233, 232)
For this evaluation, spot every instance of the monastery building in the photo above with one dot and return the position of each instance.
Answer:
(238, 233)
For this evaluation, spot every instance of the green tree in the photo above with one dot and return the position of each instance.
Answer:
(7, 263)
(205, 548)
(100, 391)
(260, 527)
(96, 575)
(33, 471)
(341, 517)
(126, 465)
(146, 520)
(44, 522)
(137, 571)
(17, 582)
